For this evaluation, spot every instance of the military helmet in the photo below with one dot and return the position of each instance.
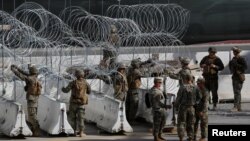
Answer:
(79, 73)
(236, 49)
(158, 79)
(135, 63)
(185, 60)
(113, 29)
(212, 49)
(188, 76)
(33, 70)
(200, 80)
(121, 66)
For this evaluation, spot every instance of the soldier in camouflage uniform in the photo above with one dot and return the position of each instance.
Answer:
(211, 65)
(33, 88)
(79, 89)
(187, 97)
(201, 110)
(237, 66)
(184, 70)
(110, 51)
(120, 83)
(134, 83)
(158, 109)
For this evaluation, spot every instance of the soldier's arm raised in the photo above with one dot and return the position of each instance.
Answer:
(174, 76)
(19, 73)
(68, 88)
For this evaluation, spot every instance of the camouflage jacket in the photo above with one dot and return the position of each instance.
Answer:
(134, 78)
(203, 104)
(188, 95)
(120, 82)
(237, 65)
(30, 81)
(79, 89)
(156, 98)
(180, 75)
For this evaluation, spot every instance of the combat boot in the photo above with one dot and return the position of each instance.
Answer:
(160, 137)
(214, 107)
(82, 134)
(75, 133)
(36, 133)
(234, 110)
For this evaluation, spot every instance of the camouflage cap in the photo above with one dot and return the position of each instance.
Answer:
(79, 73)
(184, 60)
(212, 49)
(236, 49)
(33, 70)
(200, 80)
(135, 62)
(158, 79)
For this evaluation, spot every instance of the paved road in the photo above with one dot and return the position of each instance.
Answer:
(142, 129)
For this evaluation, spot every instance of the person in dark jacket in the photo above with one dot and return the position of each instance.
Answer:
(211, 65)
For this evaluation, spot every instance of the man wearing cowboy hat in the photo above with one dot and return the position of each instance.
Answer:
(237, 67)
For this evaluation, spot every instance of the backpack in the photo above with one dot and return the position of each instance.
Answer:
(34, 88)
(79, 92)
(147, 100)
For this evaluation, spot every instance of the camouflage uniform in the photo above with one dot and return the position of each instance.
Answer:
(79, 89)
(33, 89)
(184, 71)
(158, 109)
(120, 83)
(134, 83)
(110, 52)
(237, 66)
(211, 73)
(202, 107)
(187, 97)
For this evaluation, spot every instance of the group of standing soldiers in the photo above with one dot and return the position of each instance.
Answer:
(191, 101)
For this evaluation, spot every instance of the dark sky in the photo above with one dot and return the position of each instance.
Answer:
(94, 6)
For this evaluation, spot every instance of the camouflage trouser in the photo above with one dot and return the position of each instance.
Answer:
(120, 96)
(203, 124)
(159, 120)
(237, 86)
(185, 120)
(76, 116)
(32, 116)
(132, 102)
(212, 85)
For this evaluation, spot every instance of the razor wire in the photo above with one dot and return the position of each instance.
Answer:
(82, 36)
(167, 18)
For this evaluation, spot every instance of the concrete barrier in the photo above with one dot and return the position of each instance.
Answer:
(12, 119)
(107, 112)
(52, 116)
(51, 113)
